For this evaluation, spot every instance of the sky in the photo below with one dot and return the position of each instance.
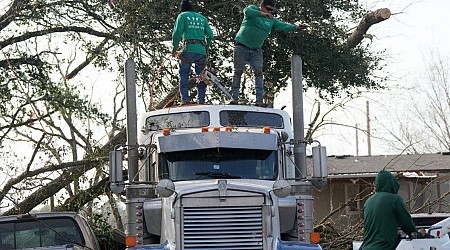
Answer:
(415, 31)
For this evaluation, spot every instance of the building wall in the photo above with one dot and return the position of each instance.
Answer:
(338, 192)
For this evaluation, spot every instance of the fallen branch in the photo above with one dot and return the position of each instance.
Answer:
(366, 22)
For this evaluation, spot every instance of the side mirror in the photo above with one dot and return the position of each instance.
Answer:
(320, 167)
(284, 136)
(320, 164)
(116, 171)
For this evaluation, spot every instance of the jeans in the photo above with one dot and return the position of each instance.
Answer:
(242, 56)
(185, 69)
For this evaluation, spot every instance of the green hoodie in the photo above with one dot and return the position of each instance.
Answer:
(191, 25)
(256, 28)
(384, 213)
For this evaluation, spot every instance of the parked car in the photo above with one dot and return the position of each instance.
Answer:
(55, 230)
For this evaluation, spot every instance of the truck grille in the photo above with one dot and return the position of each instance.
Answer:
(222, 228)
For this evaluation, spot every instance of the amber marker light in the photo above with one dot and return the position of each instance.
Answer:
(130, 241)
(266, 130)
(166, 131)
(216, 129)
(204, 129)
(314, 237)
(228, 129)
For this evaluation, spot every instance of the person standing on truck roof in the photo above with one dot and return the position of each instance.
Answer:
(193, 29)
(256, 26)
(384, 213)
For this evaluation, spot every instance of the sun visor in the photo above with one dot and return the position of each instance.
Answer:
(218, 139)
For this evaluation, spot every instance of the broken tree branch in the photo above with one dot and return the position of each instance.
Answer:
(366, 22)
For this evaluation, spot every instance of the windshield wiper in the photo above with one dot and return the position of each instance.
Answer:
(218, 175)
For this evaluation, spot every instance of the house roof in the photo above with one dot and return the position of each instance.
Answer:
(338, 165)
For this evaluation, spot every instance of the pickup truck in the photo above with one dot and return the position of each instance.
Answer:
(437, 225)
(45, 231)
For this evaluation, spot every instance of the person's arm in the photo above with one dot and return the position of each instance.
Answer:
(177, 33)
(209, 34)
(404, 218)
(279, 25)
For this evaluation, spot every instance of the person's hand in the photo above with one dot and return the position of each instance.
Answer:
(266, 14)
(302, 26)
(423, 232)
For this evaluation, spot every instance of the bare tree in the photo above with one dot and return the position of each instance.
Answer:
(424, 122)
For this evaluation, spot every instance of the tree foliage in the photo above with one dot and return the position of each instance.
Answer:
(49, 48)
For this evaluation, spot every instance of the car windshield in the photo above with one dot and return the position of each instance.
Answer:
(32, 233)
(218, 163)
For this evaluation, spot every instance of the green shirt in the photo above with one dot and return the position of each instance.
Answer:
(191, 25)
(256, 28)
(384, 213)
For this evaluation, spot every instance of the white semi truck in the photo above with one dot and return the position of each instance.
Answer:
(217, 177)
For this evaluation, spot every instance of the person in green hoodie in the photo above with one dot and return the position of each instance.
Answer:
(256, 26)
(384, 213)
(194, 31)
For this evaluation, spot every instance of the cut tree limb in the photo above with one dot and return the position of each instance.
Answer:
(366, 22)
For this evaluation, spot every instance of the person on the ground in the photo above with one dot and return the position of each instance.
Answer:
(193, 30)
(256, 26)
(385, 212)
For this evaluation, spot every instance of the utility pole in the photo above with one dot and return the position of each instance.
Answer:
(369, 147)
(357, 139)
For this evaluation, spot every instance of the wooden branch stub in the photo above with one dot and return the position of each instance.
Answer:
(368, 20)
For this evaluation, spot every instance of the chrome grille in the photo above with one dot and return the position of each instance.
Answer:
(222, 228)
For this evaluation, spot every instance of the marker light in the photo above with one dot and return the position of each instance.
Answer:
(166, 131)
(266, 130)
(314, 237)
(228, 128)
(130, 241)
(216, 129)
(204, 129)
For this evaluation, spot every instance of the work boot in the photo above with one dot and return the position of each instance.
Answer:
(184, 103)
(234, 102)
(201, 102)
(260, 104)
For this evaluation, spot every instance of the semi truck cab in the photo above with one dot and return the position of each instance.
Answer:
(218, 177)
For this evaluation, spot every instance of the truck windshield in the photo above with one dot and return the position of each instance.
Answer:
(32, 233)
(241, 118)
(218, 163)
(194, 119)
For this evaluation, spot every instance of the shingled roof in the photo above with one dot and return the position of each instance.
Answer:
(338, 165)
